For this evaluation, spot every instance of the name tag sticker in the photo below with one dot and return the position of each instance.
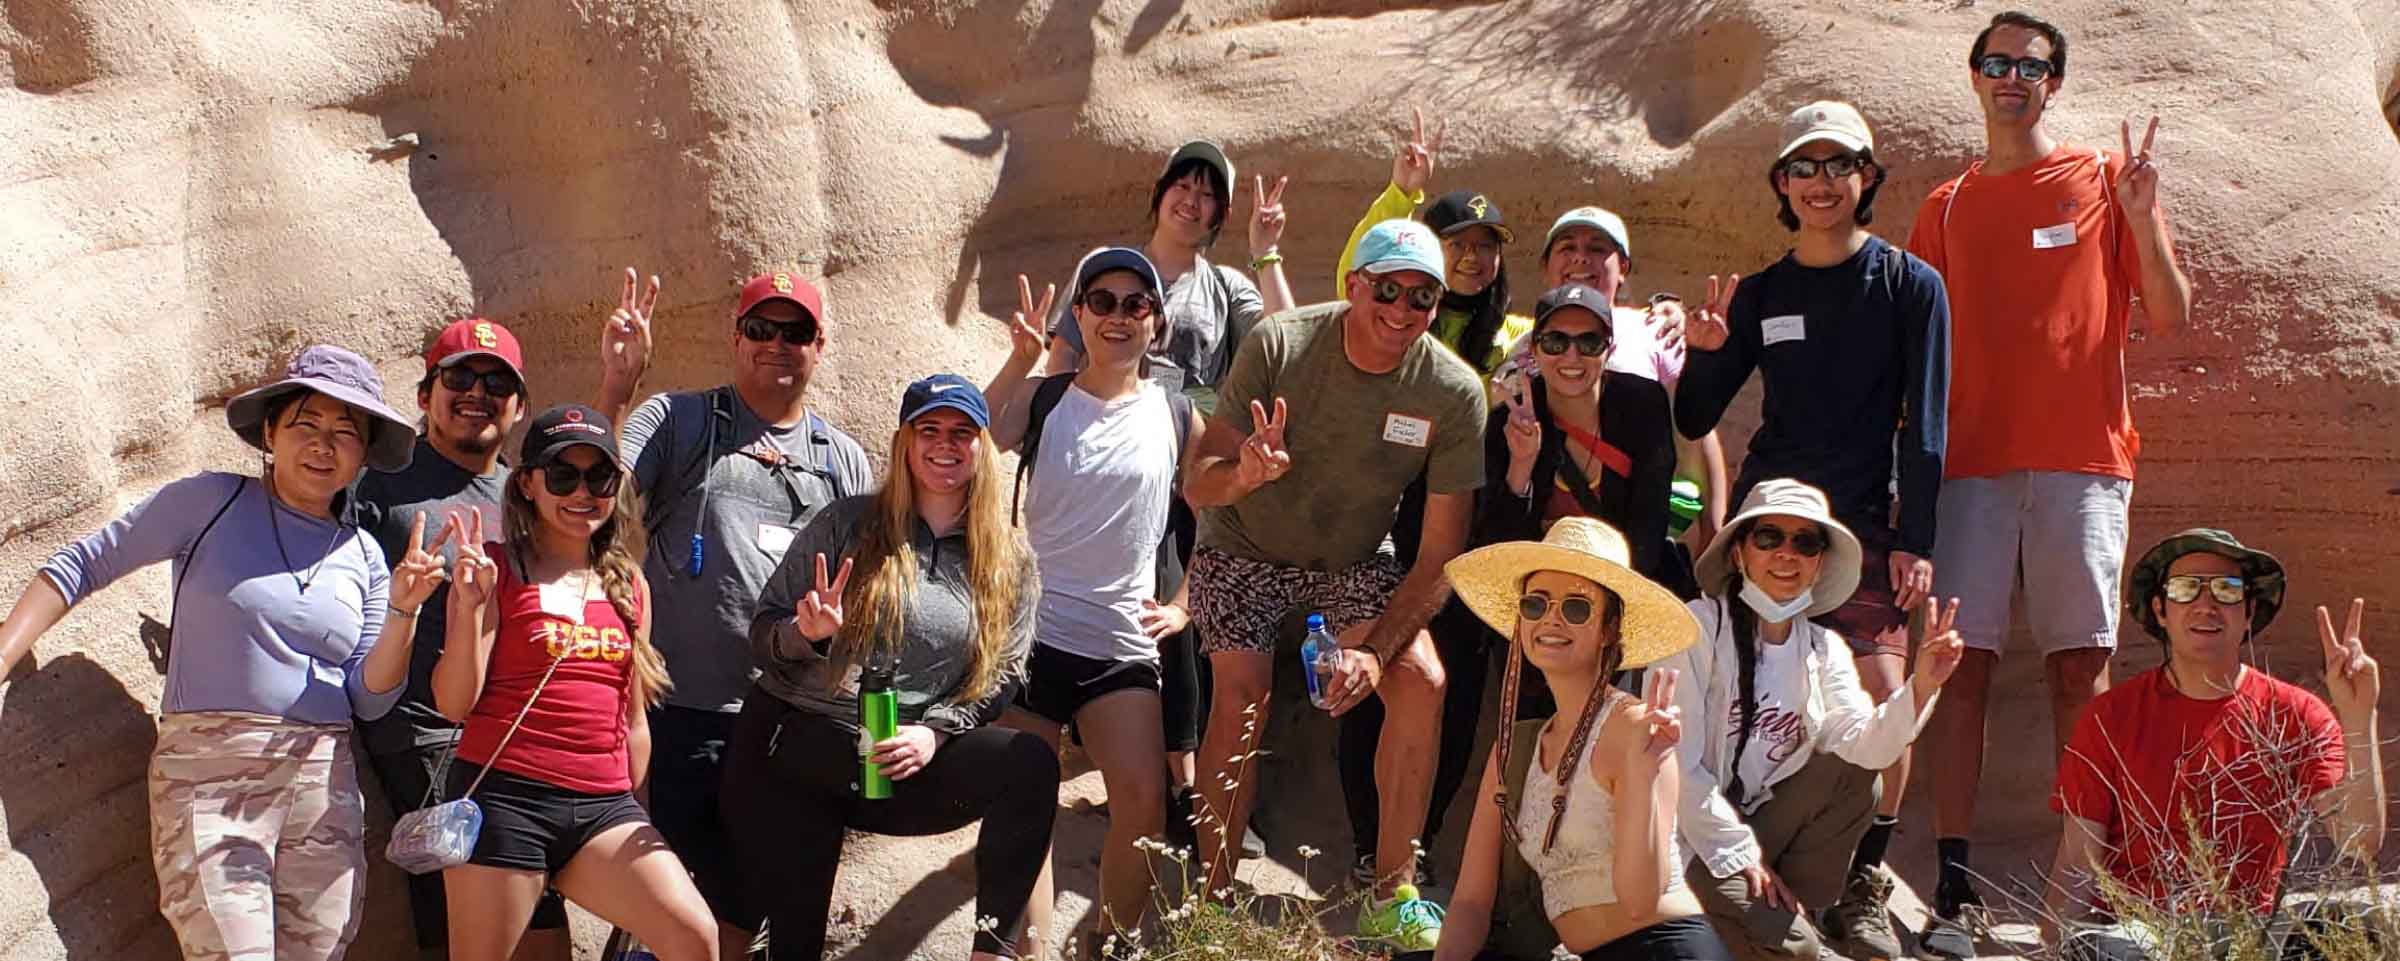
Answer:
(1403, 429)
(2062, 235)
(774, 538)
(1776, 330)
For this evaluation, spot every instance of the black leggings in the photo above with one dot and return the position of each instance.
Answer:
(788, 797)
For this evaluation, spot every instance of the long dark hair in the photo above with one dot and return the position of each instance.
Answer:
(1612, 659)
(1486, 312)
(1744, 623)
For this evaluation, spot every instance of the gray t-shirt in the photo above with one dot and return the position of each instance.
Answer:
(754, 489)
(385, 504)
(1095, 511)
(1209, 309)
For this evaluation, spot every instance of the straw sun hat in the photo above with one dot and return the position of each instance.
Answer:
(1489, 580)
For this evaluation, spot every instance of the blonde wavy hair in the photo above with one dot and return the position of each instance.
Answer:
(616, 554)
(884, 568)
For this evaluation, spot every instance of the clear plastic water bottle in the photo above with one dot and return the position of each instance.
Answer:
(1320, 654)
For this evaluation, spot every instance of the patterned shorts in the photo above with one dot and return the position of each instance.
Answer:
(1237, 602)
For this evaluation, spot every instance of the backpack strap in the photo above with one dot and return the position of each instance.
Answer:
(718, 417)
(1046, 395)
(1179, 408)
(241, 483)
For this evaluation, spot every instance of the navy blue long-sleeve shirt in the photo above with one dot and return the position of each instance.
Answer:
(1852, 355)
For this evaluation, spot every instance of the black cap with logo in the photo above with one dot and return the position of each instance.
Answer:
(1461, 209)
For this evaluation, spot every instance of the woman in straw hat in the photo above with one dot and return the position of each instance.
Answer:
(257, 826)
(1781, 770)
(1596, 850)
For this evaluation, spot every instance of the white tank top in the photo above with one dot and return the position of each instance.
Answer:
(1579, 870)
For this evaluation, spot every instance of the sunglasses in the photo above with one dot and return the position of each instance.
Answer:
(1105, 302)
(2029, 69)
(2225, 588)
(561, 479)
(798, 333)
(1590, 343)
(1419, 298)
(496, 383)
(1573, 610)
(1806, 543)
(1804, 168)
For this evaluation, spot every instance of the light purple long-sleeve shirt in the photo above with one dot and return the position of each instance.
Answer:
(247, 636)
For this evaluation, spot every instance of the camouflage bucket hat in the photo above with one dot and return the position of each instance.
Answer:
(2263, 572)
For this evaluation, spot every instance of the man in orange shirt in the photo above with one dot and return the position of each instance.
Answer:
(2043, 246)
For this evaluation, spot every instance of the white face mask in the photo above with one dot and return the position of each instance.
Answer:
(1771, 610)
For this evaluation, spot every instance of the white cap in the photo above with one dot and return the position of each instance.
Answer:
(1828, 120)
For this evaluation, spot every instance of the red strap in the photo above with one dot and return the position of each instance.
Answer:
(1602, 451)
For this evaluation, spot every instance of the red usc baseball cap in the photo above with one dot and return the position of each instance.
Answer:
(475, 337)
(781, 285)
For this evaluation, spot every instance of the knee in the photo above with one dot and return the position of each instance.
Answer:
(693, 936)
(1139, 806)
(1032, 760)
(1240, 691)
(1415, 679)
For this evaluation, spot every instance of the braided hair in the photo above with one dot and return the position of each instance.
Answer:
(1612, 658)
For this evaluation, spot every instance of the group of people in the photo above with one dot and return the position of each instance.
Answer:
(675, 652)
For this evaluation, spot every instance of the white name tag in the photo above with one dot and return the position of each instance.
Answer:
(774, 538)
(1787, 327)
(2062, 235)
(1403, 429)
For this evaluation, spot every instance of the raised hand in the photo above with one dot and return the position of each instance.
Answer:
(625, 342)
(1661, 720)
(1667, 321)
(819, 615)
(2351, 676)
(1912, 579)
(1412, 165)
(1523, 431)
(1026, 337)
(2137, 184)
(1707, 328)
(1160, 620)
(1266, 215)
(1941, 650)
(420, 569)
(1264, 458)
(473, 574)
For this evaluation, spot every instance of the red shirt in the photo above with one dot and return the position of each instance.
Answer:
(2148, 764)
(574, 737)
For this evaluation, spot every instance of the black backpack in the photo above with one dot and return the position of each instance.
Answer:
(1045, 398)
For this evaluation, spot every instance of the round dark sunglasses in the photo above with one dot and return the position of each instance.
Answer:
(1103, 303)
(561, 479)
(1419, 298)
(496, 383)
(1573, 610)
(2029, 69)
(1805, 168)
(1807, 543)
(2225, 588)
(1590, 343)
(798, 333)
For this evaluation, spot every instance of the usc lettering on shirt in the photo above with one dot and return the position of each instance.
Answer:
(574, 735)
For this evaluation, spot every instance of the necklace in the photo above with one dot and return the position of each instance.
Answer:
(275, 526)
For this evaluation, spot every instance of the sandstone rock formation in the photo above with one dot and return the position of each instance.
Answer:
(190, 190)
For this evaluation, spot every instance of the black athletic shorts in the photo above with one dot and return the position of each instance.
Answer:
(529, 825)
(1058, 684)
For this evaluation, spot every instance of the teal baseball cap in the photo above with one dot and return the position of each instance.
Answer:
(1396, 245)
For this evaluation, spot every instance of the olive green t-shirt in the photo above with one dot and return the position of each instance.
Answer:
(1356, 440)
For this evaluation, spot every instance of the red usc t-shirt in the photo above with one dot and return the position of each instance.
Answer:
(2041, 267)
(574, 737)
(2146, 760)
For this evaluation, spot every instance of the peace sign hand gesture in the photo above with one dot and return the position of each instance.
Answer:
(1264, 458)
(1523, 431)
(1707, 329)
(1941, 651)
(2352, 677)
(2137, 186)
(1266, 215)
(1661, 721)
(1025, 335)
(819, 615)
(625, 341)
(1412, 166)
(420, 569)
(473, 574)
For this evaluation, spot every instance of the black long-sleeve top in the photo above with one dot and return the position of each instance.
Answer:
(1634, 420)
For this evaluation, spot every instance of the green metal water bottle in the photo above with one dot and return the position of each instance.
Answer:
(878, 721)
(1683, 507)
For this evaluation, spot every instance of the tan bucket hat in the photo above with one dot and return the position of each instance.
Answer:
(1837, 578)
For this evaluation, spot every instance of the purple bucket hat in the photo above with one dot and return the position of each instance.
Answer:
(343, 376)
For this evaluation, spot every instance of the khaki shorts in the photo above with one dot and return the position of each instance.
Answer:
(258, 833)
(2060, 534)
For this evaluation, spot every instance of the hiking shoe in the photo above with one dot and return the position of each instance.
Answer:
(1860, 922)
(1253, 846)
(1362, 871)
(1958, 915)
(1406, 922)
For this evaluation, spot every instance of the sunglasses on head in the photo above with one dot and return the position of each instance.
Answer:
(1573, 610)
(496, 383)
(561, 478)
(1102, 303)
(1419, 298)
(2029, 69)
(1590, 343)
(1805, 168)
(798, 333)
(1807, 543)
(2225, 588)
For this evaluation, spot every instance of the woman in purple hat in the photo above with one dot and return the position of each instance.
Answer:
(256, 822)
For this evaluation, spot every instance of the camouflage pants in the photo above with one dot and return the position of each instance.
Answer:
(258, 833)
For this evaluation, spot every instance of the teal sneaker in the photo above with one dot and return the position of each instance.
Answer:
(1406, 922)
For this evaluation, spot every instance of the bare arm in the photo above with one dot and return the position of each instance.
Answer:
(1013, 383)
(637, 711)
(1645, 831)
(1422, 593)
(2166, 292)
(472, 629)
(625, 348)
(1469, 919)
(38, 609)
(2354, 808)
(2079, 848)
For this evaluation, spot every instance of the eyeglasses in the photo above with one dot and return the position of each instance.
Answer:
(1460, 244)
(496, 383)
(798, 333)
(1573, 610)
(1105, 302)
(2029, 69)
(1590, 343)
(1419, 298)
(2225, 588)
(1805, 168)
(561, 479)
(1806, 543)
